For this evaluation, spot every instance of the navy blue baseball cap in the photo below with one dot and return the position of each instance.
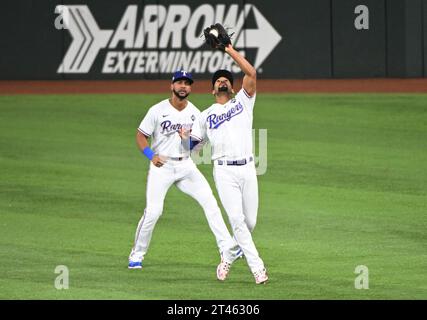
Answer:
(222, 73)
(182, 74)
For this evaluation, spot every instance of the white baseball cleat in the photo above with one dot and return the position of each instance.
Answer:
(260, 276)
(222, 270)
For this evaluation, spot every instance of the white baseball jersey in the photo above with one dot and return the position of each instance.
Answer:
(228, 127)
(162, 123)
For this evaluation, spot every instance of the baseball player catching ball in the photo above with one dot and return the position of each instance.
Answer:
(173, 126)
(227, 124)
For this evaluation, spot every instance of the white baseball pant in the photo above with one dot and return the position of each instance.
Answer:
(191, 181)
(238, 190)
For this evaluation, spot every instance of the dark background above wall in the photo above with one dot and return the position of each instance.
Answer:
(288, 39)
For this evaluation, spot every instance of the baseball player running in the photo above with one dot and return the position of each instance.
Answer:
(171, 164)
(227, 124)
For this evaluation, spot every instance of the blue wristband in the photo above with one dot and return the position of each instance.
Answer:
(148, 153)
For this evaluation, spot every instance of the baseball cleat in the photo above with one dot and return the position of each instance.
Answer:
(222, 270)
(135, 265)
(260, 276)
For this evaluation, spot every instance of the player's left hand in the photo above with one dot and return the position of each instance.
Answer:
(158, 161)
(217, 37)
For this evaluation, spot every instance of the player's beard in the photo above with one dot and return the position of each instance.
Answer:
(179, 96)
(223, 90)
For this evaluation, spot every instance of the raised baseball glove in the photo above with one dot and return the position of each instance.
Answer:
(217, 37)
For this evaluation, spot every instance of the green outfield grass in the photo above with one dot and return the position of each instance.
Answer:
(346, 185)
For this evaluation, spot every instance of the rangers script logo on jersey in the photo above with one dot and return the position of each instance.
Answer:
(215, 120)
(167, 126)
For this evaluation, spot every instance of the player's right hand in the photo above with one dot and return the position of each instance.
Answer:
(157, 161)
(184, 134)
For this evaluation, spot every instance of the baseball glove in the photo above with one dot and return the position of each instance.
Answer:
(217, 37)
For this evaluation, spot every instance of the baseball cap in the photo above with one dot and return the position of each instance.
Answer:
(222, 73)
(182, 74)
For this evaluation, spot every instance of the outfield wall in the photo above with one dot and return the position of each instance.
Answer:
(130, 39)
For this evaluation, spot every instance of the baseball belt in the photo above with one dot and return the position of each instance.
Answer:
(240, 162)
(178, 158)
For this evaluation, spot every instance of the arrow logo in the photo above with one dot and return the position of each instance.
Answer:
(88, 39)
(265, 38)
